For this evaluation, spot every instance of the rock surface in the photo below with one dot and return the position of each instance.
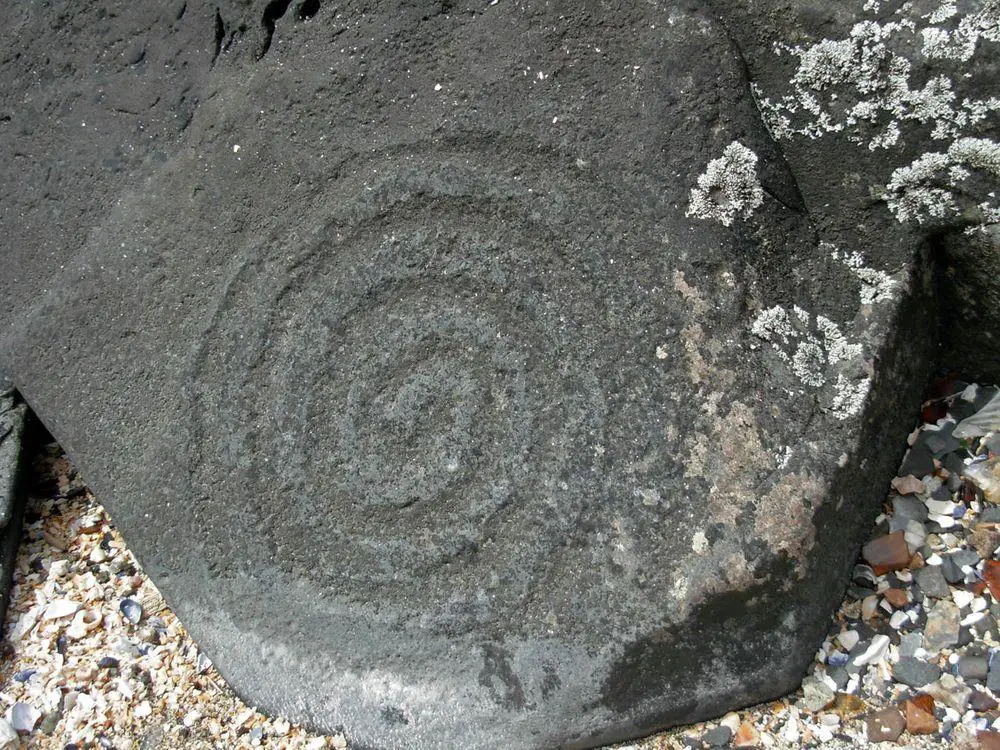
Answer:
(12, 429)
(497, 374)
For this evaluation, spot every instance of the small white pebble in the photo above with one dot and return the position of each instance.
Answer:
(898, 618)
(731, 720)
(945, 522)
(848, 639)
(962, 597)
(972, 619)
(934, 559)
(59, 568)
(191, 718)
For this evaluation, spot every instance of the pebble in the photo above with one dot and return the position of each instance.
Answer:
(887, 553)
(949, 692)
(816, 694)
(915, 672)
(885, 725)
(746, 736)
(932, 583)
(942, 627)
(920, 715)
(973, 667)
(718, 736)
(24, 716)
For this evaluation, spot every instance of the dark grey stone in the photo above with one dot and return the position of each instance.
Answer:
(950, 570)
(454, 390)
(973, 667)
(964, 557)
(940, 442)
(932, 582)
(915, 672)
(718, 736)
(942, 493)
(919, 461)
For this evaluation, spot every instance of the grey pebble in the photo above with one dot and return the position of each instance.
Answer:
(840, 677)
(909, 643)
(966, 557)
(915, 672)
(943, 626)
(951, 571)
(973, 667)
(908, 508)
(932, 582)
(993, 676)
(718, 736)
(991, 513)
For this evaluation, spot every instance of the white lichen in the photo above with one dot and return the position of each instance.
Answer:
(876, 286)
(891, 71)
(933, 187)
(812, 349)
(849, 397)
(729, 187)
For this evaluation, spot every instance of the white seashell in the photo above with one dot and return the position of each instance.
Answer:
(97, 555)
(191, 718)
(24, 716)
(60, 608)
(85, 621)
(59, 568)
(142, 710)
(875, 652)
(8, 735)
(25, 623)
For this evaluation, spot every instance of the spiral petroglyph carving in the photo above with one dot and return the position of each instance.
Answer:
(431, 379)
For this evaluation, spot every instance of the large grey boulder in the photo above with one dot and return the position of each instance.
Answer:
(470, 375)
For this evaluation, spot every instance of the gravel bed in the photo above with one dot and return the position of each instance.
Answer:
(93, 658)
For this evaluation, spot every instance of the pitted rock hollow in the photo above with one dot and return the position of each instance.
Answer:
(493, 373)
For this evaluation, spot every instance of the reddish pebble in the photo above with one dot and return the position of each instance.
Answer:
(746, 736)
(918, 719)
(888, 553)
(991, 574)
(896, 597)
(988, 740)
(885, 725)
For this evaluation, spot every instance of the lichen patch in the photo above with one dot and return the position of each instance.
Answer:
(729, 188)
